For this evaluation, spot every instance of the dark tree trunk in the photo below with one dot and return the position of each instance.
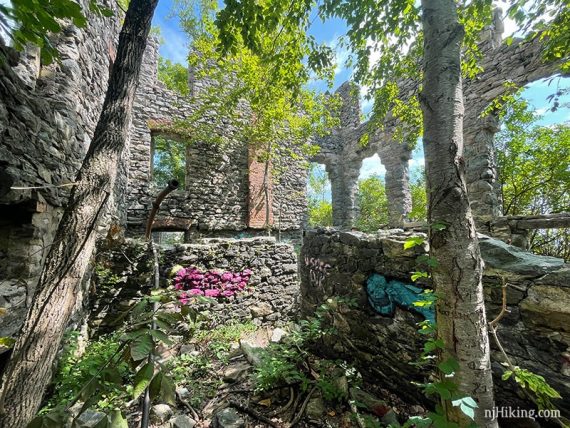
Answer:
(30, 368)
(461, 320)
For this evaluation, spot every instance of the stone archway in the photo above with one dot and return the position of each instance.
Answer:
(518, 64)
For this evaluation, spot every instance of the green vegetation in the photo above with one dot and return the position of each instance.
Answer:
(291, 362)
(76, 369)
(200, 370)
(36, 19)
(319, 205)
(419, 197)
(173, 75)
(533, 169)
(372, 204)
(371, 200)
(168, 161)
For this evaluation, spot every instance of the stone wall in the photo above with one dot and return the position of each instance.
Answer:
(518, 63)
(124, 274)
(535, 333)
(47, 118)
(217, 191)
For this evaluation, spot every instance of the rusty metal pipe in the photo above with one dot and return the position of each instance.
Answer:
(172, 185)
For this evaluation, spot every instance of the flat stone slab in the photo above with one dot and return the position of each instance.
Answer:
(502, 256)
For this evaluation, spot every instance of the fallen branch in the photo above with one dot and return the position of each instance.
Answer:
(188, 406)
(303, 407)
(286, 406)
(253, 413)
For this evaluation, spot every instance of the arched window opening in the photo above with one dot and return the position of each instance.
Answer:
(418, 190)
(319, 196)
(371, 197)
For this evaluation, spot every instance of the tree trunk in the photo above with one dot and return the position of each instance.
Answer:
(30, 368)
(461, 319)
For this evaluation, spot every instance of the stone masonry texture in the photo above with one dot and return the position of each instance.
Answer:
(535, 333)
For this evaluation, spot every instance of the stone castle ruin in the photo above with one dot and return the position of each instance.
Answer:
(47, 118)
(504, 67)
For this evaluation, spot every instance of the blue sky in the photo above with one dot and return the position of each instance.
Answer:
(175, 48)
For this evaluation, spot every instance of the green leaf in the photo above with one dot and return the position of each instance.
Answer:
(507, 375)
(142, 379)
(449, 366)
(162, 388)
(139, 308)
(427, 260)
(141, 347)
(438, 226)
(162, 337)
(467, 405)
(168, 391)
(417, 275)
(7, 342)
(433, 344)
(413, 241)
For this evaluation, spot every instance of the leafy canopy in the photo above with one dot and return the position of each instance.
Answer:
(391, 32)
(253, 97)
(173, 75)
(318, 191)
(32, 21)
(168, 161)
(533, 167)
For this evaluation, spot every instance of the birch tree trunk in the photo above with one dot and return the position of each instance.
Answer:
(30, 368)
(461, 319)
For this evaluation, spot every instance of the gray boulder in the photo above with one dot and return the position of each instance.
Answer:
(228, 418)
(501, 256)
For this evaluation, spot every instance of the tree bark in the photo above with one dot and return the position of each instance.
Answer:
(30, 368)
(461, 319)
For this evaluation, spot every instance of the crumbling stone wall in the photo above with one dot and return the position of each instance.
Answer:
(342, 152)
(504, 67)
(220, 180)
(535, 332)
(274, 281)
(47, 118)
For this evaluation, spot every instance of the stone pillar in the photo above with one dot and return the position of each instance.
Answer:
(395, 157)
(481, 168)
(344, 185)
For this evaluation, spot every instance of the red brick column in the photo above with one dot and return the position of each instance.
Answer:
(256, 201)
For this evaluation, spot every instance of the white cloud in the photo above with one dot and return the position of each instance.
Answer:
(414, 163)
(175, 44)
(371, 166)
(341, 54)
